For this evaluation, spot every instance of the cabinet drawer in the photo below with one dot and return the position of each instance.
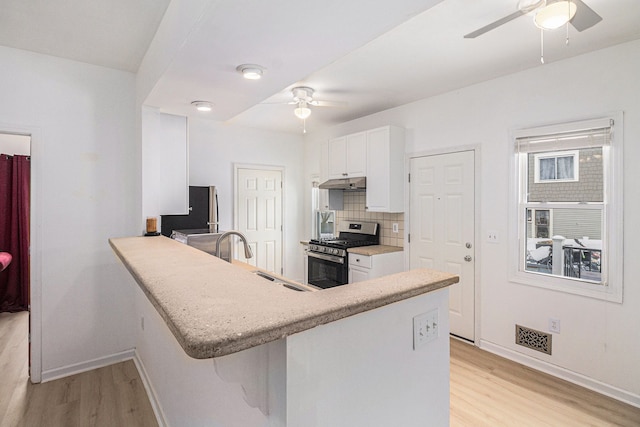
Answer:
(360, 260)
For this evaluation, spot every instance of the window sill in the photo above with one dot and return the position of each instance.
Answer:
(576, 287)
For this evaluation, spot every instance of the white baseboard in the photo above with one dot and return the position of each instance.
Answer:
(565, 374)
(65, 371)
(153, 398)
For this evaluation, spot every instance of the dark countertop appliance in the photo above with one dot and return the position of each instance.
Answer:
(203, 213)
(328, 262)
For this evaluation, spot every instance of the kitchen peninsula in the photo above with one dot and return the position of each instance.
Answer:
(219, 345)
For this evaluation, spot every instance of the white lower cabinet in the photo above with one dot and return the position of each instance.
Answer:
(365, 267)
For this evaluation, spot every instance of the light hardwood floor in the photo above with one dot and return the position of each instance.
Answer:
(486, 390)
(109, 396)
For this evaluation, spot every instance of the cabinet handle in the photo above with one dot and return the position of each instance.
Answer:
(357, 259)
(345, 174)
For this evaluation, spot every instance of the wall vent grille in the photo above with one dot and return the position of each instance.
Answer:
(533, 339)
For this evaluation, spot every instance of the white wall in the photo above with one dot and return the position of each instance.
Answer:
(213, 149)
(599, 340)
(15, 144)
(84, 183)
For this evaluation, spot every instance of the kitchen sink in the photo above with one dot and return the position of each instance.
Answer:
(280, 281)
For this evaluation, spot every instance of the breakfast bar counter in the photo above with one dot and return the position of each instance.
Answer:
(219, 345)
(214, 308)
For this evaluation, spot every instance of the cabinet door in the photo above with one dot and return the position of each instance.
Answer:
(378, 167)
(356, 153)
(165, 178)
(358, 275)
(385, 170)
(337, 158)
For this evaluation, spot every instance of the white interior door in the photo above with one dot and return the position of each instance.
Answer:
(442, 228)
(259, 196)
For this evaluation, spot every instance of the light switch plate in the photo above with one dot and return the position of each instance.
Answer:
(425, 328)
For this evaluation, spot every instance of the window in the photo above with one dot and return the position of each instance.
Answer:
(556, 167)
(567, 210)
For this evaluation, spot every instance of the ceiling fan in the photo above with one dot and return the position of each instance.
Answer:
(303, 99)
(548, 14)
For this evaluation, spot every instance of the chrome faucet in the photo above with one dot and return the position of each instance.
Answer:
(247, 249)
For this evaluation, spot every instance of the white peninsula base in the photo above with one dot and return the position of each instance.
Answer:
(358, 371)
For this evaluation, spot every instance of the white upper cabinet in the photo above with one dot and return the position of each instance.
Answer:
(348, 156)
(164, 163)
(385, 169)
(378, 155)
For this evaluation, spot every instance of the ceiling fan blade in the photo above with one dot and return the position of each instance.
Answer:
(328, 103)
(279, 103)
(494, 25)
(585, 17)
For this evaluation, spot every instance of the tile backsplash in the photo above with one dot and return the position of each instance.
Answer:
(354, 203)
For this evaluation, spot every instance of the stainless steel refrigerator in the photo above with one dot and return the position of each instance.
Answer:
(203, 213)
(200, 227)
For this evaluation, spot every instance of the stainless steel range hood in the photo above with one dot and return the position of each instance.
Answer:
(345, 184)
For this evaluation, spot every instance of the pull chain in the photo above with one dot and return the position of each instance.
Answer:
(568, 14)
(541, 46)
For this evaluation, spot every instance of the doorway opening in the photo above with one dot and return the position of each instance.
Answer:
(15, 228)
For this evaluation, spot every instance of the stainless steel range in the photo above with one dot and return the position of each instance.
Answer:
(328, 258)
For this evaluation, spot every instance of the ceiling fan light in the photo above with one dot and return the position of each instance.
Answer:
(555, 15)
(250, 71)
(302, 112)
(204, 106)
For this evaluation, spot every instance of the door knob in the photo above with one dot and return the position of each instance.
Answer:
(468, 245)
(467, 258)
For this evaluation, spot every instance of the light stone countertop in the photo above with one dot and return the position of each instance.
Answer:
(214, 308)
(374, 250)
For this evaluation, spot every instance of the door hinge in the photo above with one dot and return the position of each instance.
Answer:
(409, 238)
(409, 177)
(281, 271)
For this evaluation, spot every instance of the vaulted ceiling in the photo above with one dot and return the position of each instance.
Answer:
(370, 55)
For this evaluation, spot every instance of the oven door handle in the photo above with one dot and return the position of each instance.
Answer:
(325, 257)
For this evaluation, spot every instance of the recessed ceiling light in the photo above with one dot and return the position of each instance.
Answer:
(250, 71)
(204, 106)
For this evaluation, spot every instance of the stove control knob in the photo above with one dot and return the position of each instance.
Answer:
(335, 252)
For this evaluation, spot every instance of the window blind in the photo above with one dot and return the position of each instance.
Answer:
(596, 133)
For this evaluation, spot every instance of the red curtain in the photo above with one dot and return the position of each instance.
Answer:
(15, 172)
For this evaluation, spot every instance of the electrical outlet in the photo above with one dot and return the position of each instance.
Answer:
(395, 227)
(492, 236)
(554, 325)
(425, 328)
